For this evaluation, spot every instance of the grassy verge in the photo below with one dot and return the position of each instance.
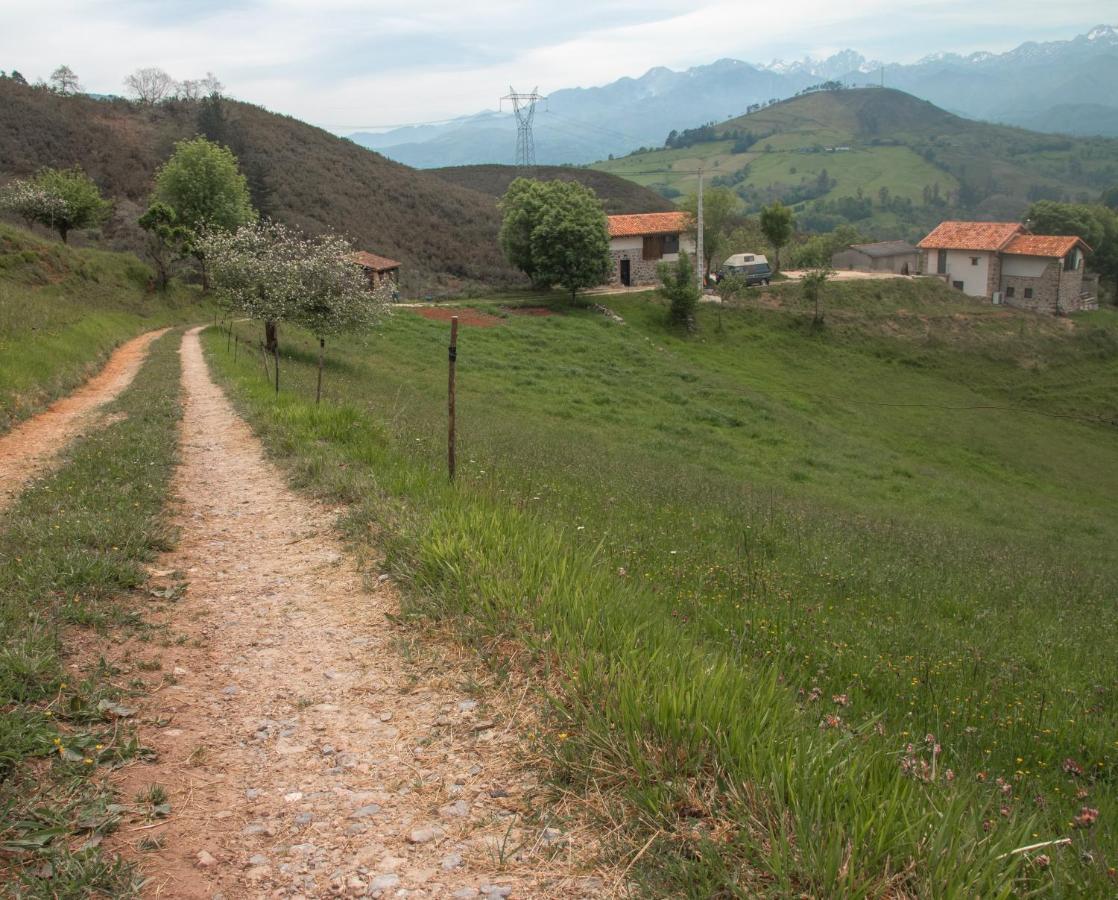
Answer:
(71, 545)
(63, 311)
(828, 611)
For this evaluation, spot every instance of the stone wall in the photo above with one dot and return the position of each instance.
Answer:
(1045, 289)
(641, 271)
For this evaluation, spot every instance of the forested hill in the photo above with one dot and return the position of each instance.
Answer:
(880, 159)
(445, 234)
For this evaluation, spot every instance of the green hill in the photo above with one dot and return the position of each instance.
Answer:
(445, 235)
(877, 158)
(618, 195)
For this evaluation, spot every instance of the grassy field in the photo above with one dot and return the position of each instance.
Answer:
(821, 611)
(63, 310)
(72, 545)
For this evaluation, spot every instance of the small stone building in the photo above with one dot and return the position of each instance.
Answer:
(379, 269)
(899, 257)
(638, 243)
(1002, 262)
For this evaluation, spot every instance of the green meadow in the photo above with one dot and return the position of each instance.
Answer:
(822, 611)
(63, 310)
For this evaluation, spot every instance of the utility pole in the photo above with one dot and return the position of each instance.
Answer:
(524, 107)
(700, 257)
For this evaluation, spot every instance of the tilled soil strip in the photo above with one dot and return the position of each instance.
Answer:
(303, 754)
(28, 449)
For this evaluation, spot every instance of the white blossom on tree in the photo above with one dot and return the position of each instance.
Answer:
(150, 85)
(33, 203)
(272, 273)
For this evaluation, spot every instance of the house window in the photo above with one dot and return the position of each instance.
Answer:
(1071, 261)
(1028, 293)
(671, 243)
(653, 247)
(958, 285)
(974, 260)
(1011, 291)
(941, 262)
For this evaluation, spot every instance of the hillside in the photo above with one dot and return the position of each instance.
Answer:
(62, 309)
(618, 195)
(444, 234)
(879, 159)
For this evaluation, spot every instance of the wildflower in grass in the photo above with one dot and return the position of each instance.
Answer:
(949, 775)
(1005, 811)
(1081, 794)
(830, 721)
(840, 700)
(1071, 767)
(1042, 861)
(814, 695)
(1087, 817)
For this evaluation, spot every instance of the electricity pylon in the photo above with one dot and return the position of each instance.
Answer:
(524, 107)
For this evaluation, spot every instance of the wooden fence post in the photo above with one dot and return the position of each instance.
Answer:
(321, 352)
(452, 363)
(236, 346)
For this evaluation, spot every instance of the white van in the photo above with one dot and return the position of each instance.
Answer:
(753, 267)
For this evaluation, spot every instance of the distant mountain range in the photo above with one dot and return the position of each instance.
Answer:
(1058, 86)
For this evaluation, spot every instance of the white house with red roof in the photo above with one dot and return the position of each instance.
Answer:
(1004, 263)
(638, 243)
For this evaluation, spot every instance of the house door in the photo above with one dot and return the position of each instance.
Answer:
(625, 277)
(941, 263)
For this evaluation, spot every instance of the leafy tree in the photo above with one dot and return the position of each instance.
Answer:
(1097, 225)
(203, 185)
(17, 77)
(719, 207)
(166, 240)
(777, 223)
(150, 85)
(812, 288)
(274, 274)
(680, 287)
(63, 80)
(556, 233)
(1109, 198)
(60, 199)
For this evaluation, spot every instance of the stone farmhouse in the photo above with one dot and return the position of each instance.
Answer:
(639, 242)
(899, 257)
(1003, 263)
(378, 269)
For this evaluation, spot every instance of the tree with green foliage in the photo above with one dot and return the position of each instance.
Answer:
(63, 200)
(202, 183)
(812, 287)
(556, 233)
(720, 204)
(166, 240)
(777, 224)
(1095, 224)
(1109, 199)
(680, 287)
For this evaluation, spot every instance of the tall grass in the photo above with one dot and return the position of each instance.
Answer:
(808, 642)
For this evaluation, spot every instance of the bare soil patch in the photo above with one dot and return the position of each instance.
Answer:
(29, 449)
(539, 311)
(304, 753)
(466, 316)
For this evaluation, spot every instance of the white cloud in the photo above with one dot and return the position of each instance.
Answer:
(343, 63)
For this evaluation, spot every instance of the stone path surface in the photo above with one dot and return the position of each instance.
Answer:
(303, 753)
(29, 449)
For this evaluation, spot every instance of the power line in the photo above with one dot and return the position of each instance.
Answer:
(524, 108)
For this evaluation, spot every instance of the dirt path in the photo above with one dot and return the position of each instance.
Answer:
(303, 754)
(29, 449)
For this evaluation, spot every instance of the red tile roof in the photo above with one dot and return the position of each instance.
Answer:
(374, 262)
(971, 236)
(648, 223)
(1057, 246)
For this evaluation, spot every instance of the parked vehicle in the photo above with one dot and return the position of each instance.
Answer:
(753, 267)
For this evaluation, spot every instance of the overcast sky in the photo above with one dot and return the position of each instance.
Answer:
(349, 64)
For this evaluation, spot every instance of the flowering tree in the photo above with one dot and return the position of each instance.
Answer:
(274, 274)
(60, 199)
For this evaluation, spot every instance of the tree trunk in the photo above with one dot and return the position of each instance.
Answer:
(321, 353)
(271, 335)
(205, 274)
